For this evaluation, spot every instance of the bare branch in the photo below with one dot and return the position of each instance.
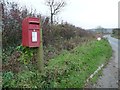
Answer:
(55, 7)
(59, 6)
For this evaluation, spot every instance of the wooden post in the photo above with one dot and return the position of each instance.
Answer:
(119, 14)
(1, 15)
(40, 54)
(1, 12)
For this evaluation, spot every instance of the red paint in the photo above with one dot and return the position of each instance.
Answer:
(29, 25)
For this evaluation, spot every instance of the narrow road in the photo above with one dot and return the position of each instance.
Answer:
(109, 79)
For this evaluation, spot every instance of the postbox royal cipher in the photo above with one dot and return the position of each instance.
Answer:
(31, 32)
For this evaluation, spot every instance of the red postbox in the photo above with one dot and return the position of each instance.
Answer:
(31, 32)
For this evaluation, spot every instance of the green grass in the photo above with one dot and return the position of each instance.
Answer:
(71, 69)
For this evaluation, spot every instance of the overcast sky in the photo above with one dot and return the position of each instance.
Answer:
(82, 13)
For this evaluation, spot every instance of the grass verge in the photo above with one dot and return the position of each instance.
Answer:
(70, 69)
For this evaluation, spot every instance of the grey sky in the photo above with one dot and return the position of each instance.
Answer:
(82, 13)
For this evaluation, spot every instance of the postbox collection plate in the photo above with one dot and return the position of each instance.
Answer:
(34, 36)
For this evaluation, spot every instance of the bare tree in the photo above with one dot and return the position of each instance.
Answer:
(55, 7)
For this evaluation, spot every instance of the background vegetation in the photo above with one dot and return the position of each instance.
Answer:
(56, 37)
(116, 33)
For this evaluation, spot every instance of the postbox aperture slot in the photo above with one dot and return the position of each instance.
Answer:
(34, 26)
(33, 22)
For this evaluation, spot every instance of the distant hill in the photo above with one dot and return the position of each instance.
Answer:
(106, 30)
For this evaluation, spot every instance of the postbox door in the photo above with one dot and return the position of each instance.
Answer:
(34, 26)
(34, 35)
